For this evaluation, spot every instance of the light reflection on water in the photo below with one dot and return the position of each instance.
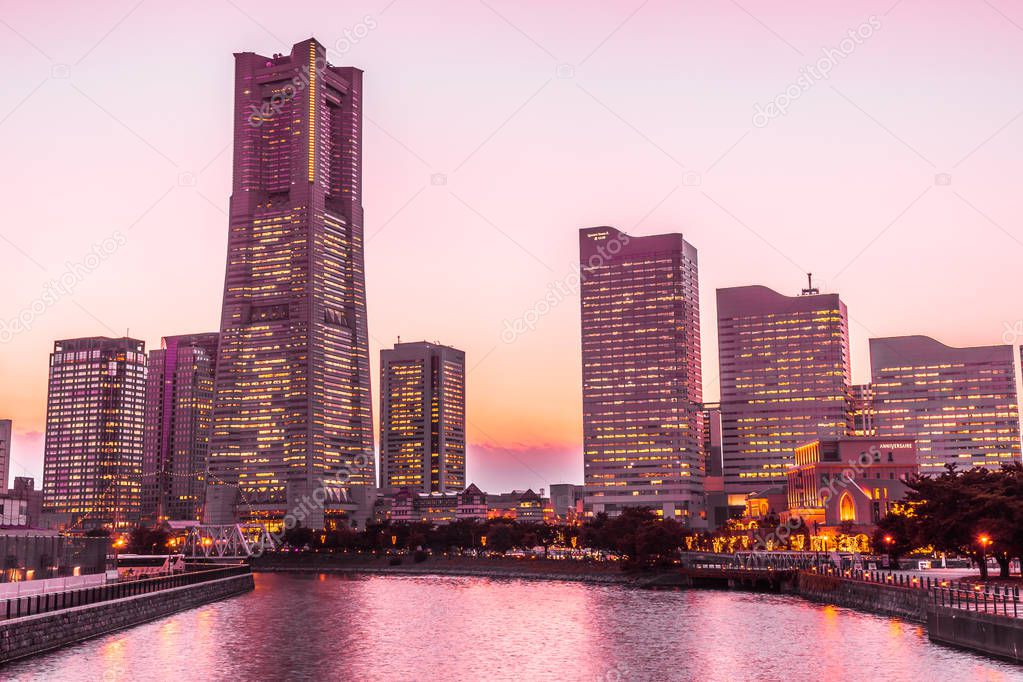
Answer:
(434, 628)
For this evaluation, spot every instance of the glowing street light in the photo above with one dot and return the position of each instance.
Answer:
(984, 541)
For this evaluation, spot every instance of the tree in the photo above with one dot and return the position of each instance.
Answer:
(143, 540)
(894, 535)
(500, 537)
(299, 536)
(976, 512)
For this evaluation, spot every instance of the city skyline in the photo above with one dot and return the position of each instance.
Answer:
(543, 435)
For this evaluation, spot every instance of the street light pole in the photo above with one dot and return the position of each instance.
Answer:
(984, 542)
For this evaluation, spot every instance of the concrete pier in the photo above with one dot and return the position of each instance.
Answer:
(28, 635)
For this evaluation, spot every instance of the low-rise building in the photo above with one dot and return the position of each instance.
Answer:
(766, 502)
(406, 506)
(524, 506)
(844, 486)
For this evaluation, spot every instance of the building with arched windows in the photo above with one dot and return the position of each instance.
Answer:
(849, 483)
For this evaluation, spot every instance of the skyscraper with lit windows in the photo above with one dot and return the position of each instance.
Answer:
(960, 404)
(422, 418)
(785, 379)
(642, 392)
(179, 415)
(292, 408)
(95, 415)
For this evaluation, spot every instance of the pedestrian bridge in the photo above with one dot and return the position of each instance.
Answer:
(238, 541)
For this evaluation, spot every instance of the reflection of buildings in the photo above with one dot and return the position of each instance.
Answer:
(784, 363)
(40, 554)
(179, 407)
(960, 404)
(292, 410)
(95, 415)
(642, 436)
(422, 418)
(849, 484)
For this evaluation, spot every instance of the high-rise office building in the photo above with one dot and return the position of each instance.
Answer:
(642, 413)
(422, 418)
(179, 414)
(784, 371)
(959, 404)
(292, 408)
(95, 415)
(6, 433)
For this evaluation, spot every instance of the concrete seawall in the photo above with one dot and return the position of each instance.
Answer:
(994, 635)
(28, 635)
(884, 600)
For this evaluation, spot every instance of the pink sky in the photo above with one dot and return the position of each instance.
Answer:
(116, 118)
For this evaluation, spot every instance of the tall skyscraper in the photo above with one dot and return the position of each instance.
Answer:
(292, 411)
(642, 392)
(785, 379)
(6, 433)
(422, 418)
(179, 416)
(959, 404)
(95, 415)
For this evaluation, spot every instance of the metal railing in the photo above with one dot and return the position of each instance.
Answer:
(56, 601)
(1003, 603)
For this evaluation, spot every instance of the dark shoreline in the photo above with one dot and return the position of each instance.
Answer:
(480, 568)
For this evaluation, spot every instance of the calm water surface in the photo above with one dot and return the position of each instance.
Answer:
(323, 627)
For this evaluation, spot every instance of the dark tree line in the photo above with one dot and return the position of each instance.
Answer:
(977, 513)
(637, 535)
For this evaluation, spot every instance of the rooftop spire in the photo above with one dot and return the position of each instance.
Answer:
(810, 289)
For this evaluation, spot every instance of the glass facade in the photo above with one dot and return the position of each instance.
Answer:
(959, 404)
(292, 409)
(642, 417)
(95, 415)
(179, 415)
(422, 418)
(785, 380)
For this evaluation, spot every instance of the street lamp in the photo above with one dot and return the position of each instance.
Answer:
(984, 541)
(888, 541)
(118, 544)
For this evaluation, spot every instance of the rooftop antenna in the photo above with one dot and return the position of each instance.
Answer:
(810, 289)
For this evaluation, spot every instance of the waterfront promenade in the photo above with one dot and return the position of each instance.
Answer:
(32, 624)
